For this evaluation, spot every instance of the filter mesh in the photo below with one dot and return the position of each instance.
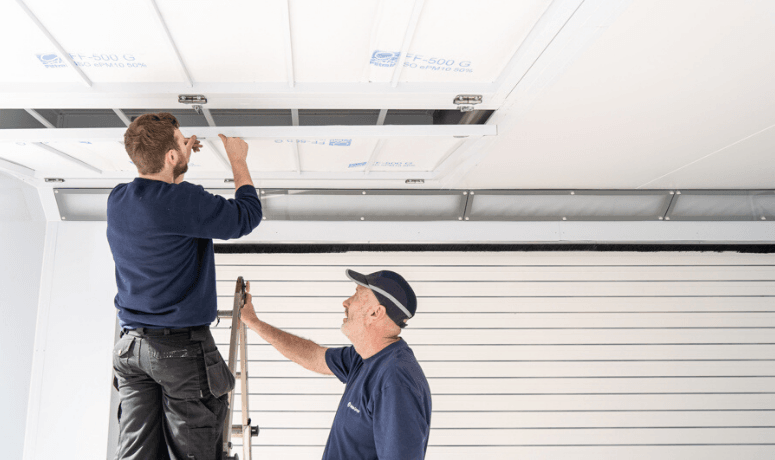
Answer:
(573, 207)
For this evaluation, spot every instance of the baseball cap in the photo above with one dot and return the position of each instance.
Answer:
(391, 290)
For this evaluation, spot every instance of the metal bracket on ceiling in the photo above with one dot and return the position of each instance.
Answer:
(192, 99)
(466, 102)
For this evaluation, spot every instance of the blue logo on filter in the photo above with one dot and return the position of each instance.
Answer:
(51, 60)
(385, 58)
(340, 142)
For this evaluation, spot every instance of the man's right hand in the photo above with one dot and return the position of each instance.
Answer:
(248, 312)
(236, 148)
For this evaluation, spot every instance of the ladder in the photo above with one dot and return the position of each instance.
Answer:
(239, 337)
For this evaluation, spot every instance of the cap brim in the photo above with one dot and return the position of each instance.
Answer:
(357, 277)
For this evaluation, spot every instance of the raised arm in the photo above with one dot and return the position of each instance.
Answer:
(303, 352)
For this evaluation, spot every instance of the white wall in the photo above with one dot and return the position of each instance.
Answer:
(70, 389)
(22, 232)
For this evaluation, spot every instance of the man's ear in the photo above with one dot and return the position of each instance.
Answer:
(378, 312)
(171, 157)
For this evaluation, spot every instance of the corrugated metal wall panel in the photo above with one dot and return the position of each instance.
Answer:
(537, 355)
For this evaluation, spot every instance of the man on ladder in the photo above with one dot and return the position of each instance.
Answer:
(172, 381)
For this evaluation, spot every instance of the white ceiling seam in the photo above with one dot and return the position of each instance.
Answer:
(288, 43)
(67, 157)
(374, 156)
(64, 54)
(538, 39)
(120, 113)
(584, 26)
(10, 166)
(707, 156)
(40, 118)
(410, 29)
(171, 43)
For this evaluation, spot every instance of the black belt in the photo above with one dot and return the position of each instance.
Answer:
(145, 331)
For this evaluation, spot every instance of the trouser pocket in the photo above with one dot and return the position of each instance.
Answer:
(220, 380)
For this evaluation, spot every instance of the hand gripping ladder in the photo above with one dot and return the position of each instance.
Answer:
(239, 337)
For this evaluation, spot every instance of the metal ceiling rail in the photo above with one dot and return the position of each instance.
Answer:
(288, 42)
(208, 116)
(171, 42)
(295, 143)
(40, 118)
(266, 95)
(267, 132)
(120, 113)
(410, 29)
(65, 55)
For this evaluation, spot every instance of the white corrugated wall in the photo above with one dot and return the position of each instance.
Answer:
(552, 355)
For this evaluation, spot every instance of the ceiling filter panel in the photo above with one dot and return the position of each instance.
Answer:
(228, 42)
(113, 41)
(462, 41)
(335, 155)
(26, 53)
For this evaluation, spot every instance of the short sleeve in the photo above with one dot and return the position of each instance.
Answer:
(401, 426)
(341, 361)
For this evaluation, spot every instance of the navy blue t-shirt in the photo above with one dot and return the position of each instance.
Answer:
(161, 238)
(385, 412)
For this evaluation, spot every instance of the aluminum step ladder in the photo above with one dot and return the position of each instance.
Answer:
(239, 337)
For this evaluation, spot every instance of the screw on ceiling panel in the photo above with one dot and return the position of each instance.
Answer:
(660, 217)
(64, 218)
(363, 193)
(678, 193)
(667, 218)
(564, 218)
(459, 218)
(572, 193)
(465, 193)
(472, 193)
(672, 192)
(466, 218)
(363, 218)
(764, 218)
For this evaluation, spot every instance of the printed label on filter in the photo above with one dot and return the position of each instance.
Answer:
(420, 62)
(329, 142)
(385, 164)
(120, 61)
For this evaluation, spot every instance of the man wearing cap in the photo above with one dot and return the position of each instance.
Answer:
(385, 411)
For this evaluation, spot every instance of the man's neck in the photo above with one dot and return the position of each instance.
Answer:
(163, 177)
(367, 350)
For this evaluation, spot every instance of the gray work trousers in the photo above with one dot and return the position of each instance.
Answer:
(173, 395)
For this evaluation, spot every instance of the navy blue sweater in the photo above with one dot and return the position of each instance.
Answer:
(161, 238)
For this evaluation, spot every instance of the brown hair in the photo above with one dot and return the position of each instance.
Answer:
(149, 138)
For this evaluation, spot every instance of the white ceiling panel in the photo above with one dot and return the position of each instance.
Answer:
(667, 84)
(332, 40)
(459, 41)
(110, 41)
(44, 162)
(27, 55)
(228, 42)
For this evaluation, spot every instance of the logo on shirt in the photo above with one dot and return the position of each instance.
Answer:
(350, 405)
